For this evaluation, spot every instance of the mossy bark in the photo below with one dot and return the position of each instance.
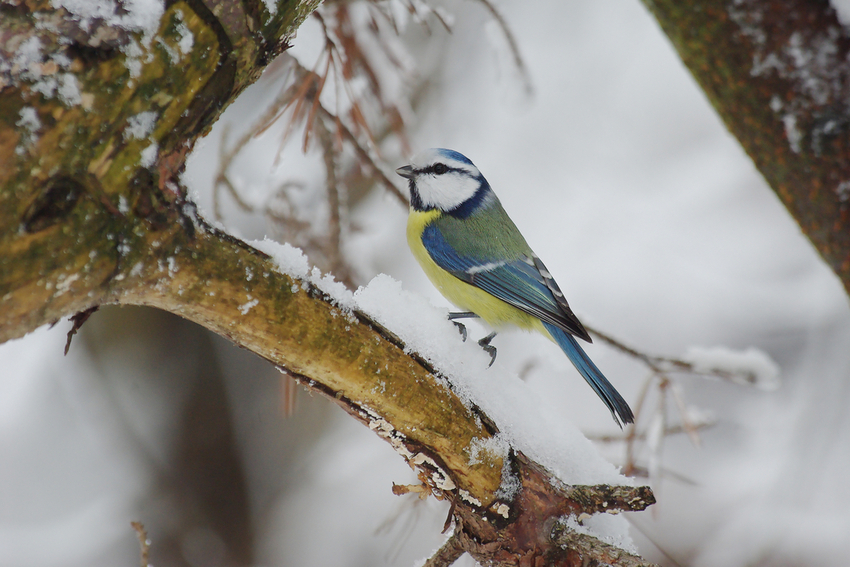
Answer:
(778, 74)
(95, 124)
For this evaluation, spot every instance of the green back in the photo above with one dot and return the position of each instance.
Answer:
(487, 235)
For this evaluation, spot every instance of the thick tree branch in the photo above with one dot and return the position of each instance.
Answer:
(92, 212)
(778, 73)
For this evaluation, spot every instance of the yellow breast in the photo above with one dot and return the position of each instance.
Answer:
(466, 297)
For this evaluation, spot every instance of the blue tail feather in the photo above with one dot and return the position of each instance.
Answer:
(603, 388)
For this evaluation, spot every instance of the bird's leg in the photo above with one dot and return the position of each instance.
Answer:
(461, 315)
(483, 343)
(491, 350)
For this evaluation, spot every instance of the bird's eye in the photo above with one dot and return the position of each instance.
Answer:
(440, 168)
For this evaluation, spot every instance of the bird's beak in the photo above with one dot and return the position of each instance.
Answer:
(405, 171)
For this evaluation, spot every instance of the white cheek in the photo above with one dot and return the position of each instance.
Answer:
(446, 191)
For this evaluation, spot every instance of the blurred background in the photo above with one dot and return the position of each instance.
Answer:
(624, 181)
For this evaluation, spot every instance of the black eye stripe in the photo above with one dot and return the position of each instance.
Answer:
(441, 168)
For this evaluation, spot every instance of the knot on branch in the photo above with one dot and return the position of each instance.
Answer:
(541, 527)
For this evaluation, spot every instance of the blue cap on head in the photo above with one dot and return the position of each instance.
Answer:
(451, 154)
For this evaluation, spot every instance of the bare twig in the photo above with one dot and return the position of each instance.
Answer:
(368, 160)
(669, 431)
(78, 319)
(144, 543)
(273, 113)
(337, 264)
(687, 423)
(448, 553)
(656, 428)
(663, 364)
(595, 552)
(288, 394)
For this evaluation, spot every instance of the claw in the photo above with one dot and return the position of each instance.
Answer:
(488, 348)
(491, 350)
(460, 326)
(461, 329)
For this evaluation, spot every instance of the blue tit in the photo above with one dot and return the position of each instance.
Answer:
(475, 255)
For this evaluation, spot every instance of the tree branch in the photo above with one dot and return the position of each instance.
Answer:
(778, 73)
(92, 212)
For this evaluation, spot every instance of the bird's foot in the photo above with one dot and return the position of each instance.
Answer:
(461, 329)
(488, 348)
(453, 316)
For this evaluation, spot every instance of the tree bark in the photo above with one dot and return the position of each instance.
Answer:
(778, 73)
(96, 120)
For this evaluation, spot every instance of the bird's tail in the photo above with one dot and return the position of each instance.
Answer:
(603, 388)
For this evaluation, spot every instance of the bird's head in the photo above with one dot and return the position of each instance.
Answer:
(445, 180)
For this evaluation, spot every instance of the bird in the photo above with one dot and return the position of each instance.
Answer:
(477, 258)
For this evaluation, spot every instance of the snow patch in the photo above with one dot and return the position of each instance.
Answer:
(605, 527)
(426, 330)
(843, 191)
(753, 366)
(132, 15)
(69, 90)
(271, 6)
(792, 132)
(495, 446)
(246, 307)
(140, 125)
(292, 262)
(29, 124)
(842, 11)
(148, 155)
(187, 39)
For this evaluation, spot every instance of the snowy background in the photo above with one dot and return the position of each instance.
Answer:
(645, 209)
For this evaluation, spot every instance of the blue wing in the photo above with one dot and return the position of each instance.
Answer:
(524, 282)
